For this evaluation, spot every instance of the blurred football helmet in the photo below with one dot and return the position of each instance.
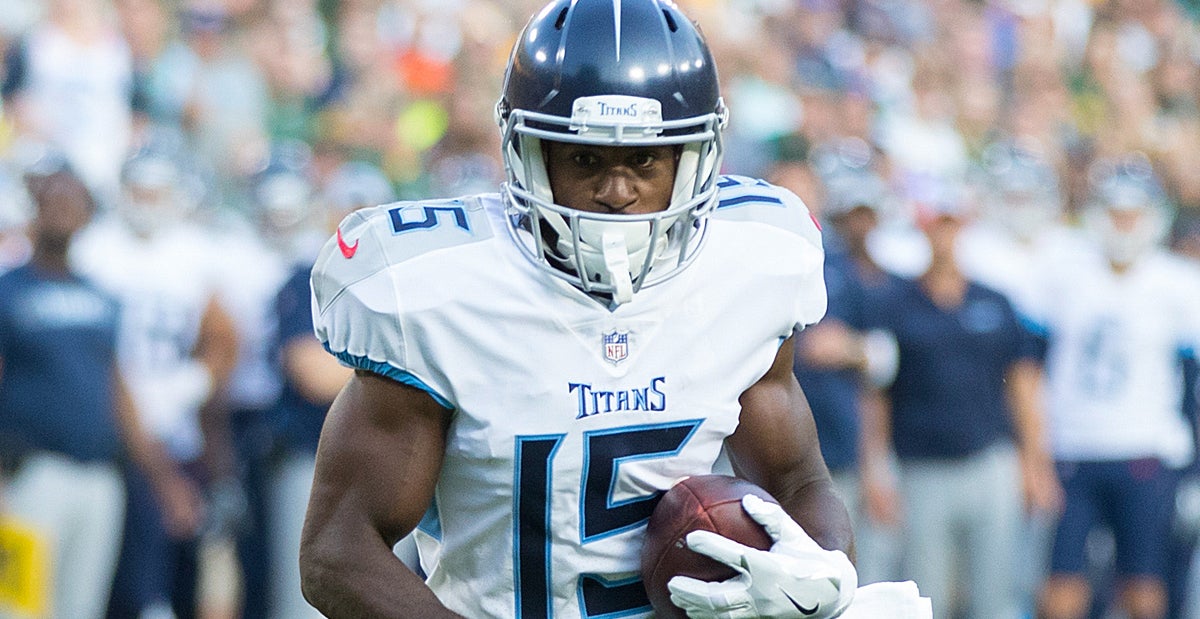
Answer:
(1019, 189)
(153, 192)
(283, 194)
(611, 73)
(1128, 211)
(357, 184)
(848, 177)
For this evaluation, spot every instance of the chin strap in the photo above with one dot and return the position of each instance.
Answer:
(616, 261)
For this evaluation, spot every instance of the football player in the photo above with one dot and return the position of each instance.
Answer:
(177, 345)
(534, 368)
(1118, 311)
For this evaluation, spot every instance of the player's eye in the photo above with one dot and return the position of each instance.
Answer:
(584, 159)
(643, 159)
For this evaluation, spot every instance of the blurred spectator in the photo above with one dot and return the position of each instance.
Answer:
(177, 345)
(965, 424)
(1119, 311)
(206, 83)
(66, 419)
(69, 85)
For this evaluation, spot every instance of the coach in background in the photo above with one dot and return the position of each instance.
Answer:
(965, 425)
(66, 419)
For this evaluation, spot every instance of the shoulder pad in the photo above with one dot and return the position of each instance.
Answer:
(741, 198)
(370, 240)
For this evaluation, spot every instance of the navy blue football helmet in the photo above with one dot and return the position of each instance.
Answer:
(612, 73)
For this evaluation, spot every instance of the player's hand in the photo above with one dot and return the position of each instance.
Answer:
(182, 505)
(795, 578)
(1042, 490)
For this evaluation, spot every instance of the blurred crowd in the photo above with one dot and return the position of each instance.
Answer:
(220, 142)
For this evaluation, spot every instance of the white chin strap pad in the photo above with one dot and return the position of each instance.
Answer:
(612, 250)
(616, 262)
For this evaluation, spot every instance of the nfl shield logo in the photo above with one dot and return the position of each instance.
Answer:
(616, 346)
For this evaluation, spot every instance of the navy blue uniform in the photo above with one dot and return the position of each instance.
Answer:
(949, 395)
(58, 343)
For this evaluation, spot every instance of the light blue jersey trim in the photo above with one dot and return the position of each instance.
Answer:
(1033, 326)
(390, 371)
(431, 522)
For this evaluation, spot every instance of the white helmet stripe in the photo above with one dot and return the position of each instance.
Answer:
(617, 25)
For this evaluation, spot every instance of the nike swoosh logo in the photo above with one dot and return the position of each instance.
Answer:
(803, 611)
(347, 250)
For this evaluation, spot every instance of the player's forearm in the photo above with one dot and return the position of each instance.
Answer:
(363, 580)
(1024, 393)
(817, 507)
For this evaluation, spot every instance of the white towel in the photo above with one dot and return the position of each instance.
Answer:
(889, 600)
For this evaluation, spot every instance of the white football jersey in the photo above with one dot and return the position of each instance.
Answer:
(251, 273)
(569, 419)
(164, 285)
(1113, 385)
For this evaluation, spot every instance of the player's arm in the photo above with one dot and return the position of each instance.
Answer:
(776, 447)
(807, 572)
(1039, 480)
(178, 497)
(317, 376)
(377, 465)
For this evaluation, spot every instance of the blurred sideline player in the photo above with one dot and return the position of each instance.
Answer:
(311, 380)
(259, 250)
(177, 346)
(1118, 311)
(535, 368)
(840, 362)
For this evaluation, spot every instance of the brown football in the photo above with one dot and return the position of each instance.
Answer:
(702, 502)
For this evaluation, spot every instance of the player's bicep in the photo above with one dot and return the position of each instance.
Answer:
(775, 445)
(378, 460)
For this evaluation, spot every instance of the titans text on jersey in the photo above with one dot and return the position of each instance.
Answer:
(593, 401)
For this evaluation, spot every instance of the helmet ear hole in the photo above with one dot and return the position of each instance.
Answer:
(562, 18)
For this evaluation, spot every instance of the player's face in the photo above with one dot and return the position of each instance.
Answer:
(63, 208)
(1125, 221)
(611, 179)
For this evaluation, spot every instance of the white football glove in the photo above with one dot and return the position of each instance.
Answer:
(796, 578)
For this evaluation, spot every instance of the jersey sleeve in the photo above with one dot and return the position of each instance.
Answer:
(812, 297)
(790, 232)
(356, 312)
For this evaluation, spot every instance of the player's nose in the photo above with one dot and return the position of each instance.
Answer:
(616, 191)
